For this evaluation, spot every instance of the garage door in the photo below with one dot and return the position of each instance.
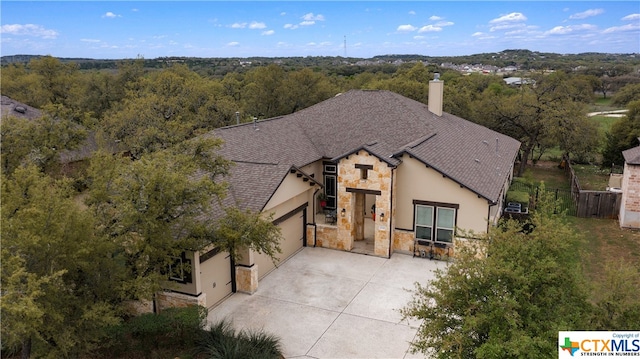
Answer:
(292, 230)
(216, 277)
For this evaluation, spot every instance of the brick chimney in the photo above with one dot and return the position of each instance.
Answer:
(436, 91)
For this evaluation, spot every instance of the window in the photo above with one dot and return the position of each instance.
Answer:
(435, 221)
(330, 184)
(364, 170)
(180, 269)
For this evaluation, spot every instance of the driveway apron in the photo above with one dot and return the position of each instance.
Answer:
(325, 303)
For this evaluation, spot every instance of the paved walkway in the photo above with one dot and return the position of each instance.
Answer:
(326, 303)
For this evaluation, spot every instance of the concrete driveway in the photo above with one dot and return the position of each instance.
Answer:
(325, 303)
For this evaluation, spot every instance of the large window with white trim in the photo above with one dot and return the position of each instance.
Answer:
(435, 221)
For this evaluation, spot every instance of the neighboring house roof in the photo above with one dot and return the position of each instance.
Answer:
(632, 156)
(382, 122)
(17, 109)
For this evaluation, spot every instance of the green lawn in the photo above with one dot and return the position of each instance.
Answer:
(603, 241)
(592, 177)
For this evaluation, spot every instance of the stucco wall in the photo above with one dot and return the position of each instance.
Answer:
(417, 182)
(630, 203)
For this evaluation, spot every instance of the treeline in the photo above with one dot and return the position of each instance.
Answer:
(148, 109)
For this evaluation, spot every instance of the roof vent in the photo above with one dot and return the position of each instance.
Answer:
(20, 109)
(477, 160)
(436, 76)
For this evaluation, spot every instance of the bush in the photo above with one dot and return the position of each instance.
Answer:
(222, 341)
(173, 327)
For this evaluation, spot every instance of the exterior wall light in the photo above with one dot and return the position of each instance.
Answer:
(381, 216)
(344, 212)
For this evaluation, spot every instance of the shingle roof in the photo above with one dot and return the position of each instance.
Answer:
(632, 156)
(382, 122)
(10, 107)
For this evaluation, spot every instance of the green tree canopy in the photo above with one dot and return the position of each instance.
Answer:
(623, 135)
(151, 207)
(510, 303)
(57, 273)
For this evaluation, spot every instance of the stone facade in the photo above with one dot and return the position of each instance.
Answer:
(630, 204)
(327, 237)
(178, 300)
(247, 279)
(358, 174)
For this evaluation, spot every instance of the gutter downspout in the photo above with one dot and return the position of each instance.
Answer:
(392, 214)
(313, 210)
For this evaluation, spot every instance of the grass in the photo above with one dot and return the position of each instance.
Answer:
(592, 177)
(549, 173)
(604, 242)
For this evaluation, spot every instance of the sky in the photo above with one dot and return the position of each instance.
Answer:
(363, 29)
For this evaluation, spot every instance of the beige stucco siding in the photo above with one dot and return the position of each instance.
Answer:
(417, 182)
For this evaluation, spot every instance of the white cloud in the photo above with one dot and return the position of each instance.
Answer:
(268, 32)
(563, 30)
(418, 37)
(429, 28)
(134, 10)
(512, 17)
(307, 23)
(586, 14)
(406, 28)
(29, 30)
(435, 18)
(233, 43)
(631, 17)
(239, 25)
(110, 15)
(257, 25)
(476, 34)
(624, 28)
(311, 17)
(290, 26)
(283, 13)
(443, 23)
(411, 12)
(90, 40)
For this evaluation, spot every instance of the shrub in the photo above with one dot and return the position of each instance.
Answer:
(173, 327)
(222, 341)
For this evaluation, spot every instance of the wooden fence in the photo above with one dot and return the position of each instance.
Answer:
(592, 204)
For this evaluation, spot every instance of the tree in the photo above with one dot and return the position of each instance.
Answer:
(166, 108)
(626, 94)
(510, 303)
(151, 207)
(38, 141)
(623, 135)
(546, 114)
(239, 229)
(57, 274)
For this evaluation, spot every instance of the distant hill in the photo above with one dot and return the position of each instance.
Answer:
(524, 59)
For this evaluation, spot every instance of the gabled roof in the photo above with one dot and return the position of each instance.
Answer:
(385, 124)
(632, 156)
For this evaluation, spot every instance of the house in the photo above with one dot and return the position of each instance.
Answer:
(393, 170)
(630, 203)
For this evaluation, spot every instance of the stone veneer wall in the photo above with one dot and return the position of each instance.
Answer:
(403, 241)
(630, 203)
(247, 279)
(379, 179)
(327, 237)
(178, 300)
